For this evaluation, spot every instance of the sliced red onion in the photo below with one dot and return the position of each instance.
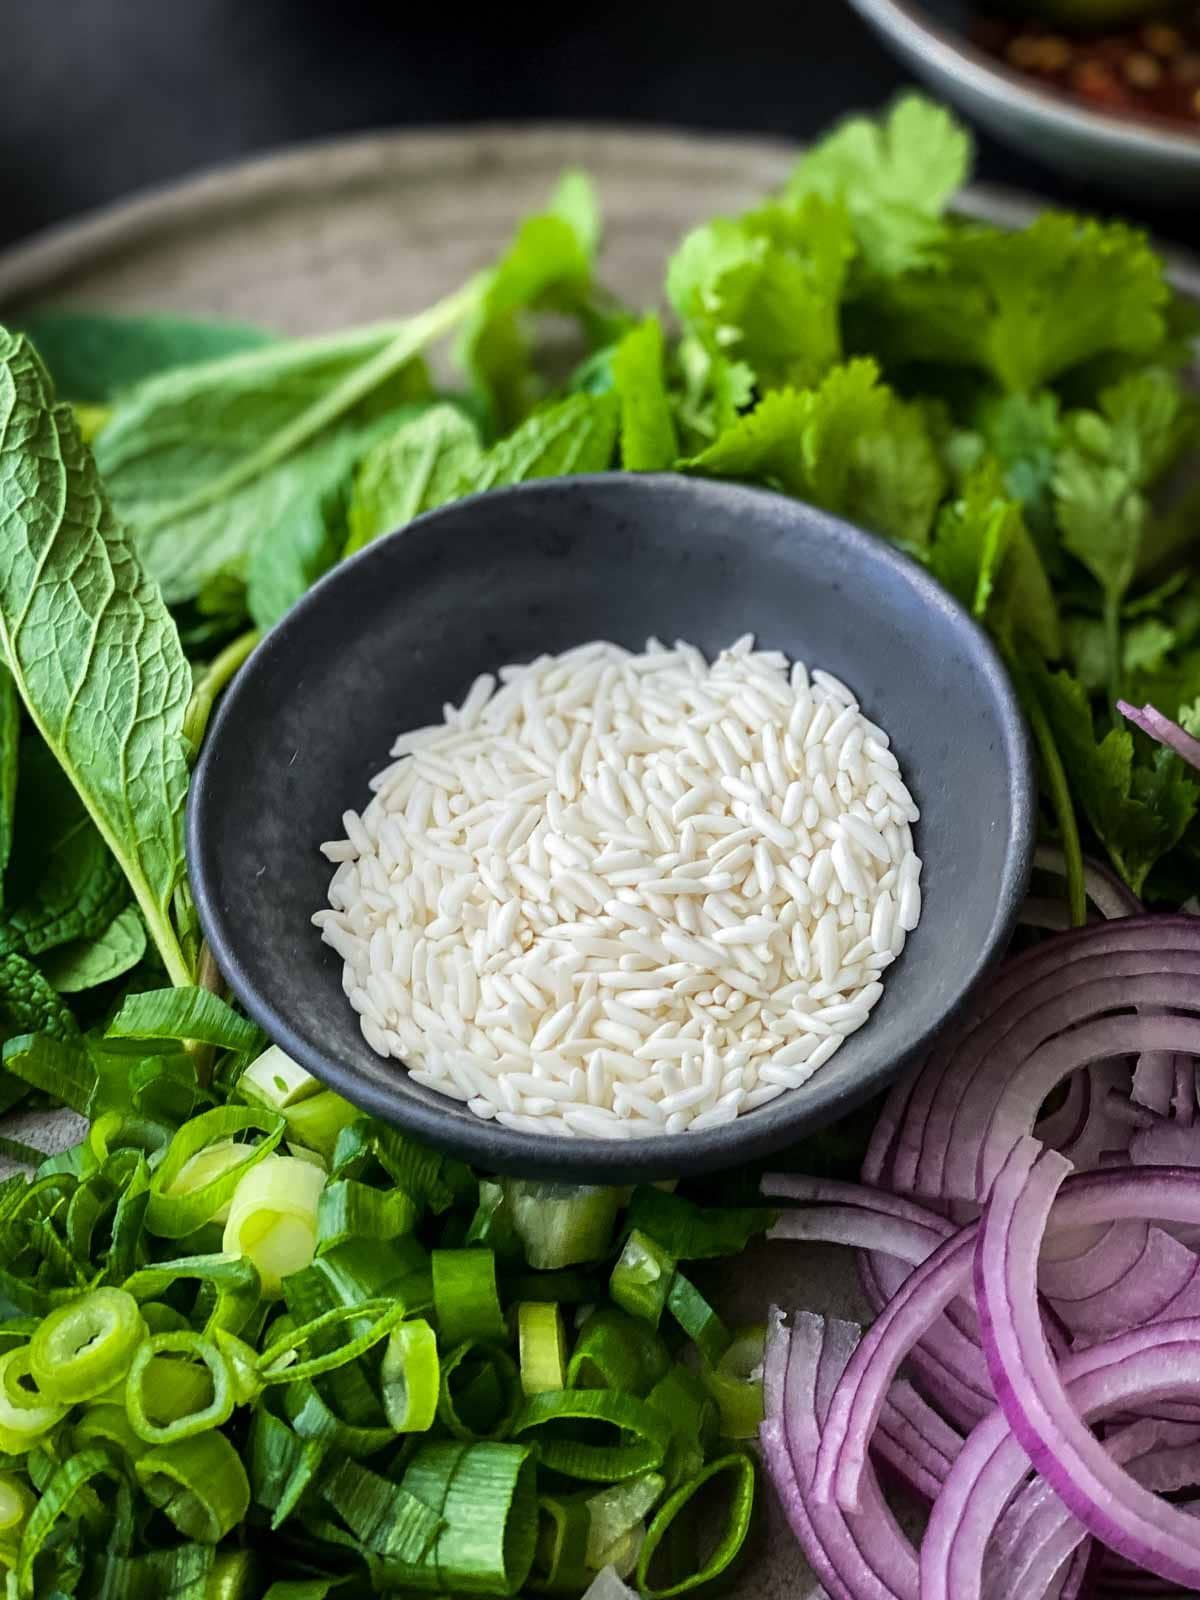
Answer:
(1160, 728)
(1110, 896)
(1118, 1511)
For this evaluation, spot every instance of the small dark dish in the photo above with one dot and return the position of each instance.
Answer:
(381, 643)
(1140, 156)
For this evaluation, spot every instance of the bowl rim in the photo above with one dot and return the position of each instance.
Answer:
(485, 1143)
(908, 23)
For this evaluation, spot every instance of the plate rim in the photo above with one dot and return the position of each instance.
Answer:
(33, 266)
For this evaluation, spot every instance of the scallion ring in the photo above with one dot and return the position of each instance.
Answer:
(645, 1434)
(26, 1416)
(480, 1391)
(199, 1483)
(84, 1347)
(410, 1377)
(543, 1347)
(735, 1383)
(161, 1411)
(737, 1525)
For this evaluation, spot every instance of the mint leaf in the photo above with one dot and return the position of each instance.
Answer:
(765, 289)
(578, 434)
(1024, 307)
(87, 963)
(28, 1004)
(108, 698)
(55, 1064)
(92, 355)
(64, 883)
(648, 442)
(306, 541)
(850, 446)
(10, 742)
(419, 466)
(896, 177)
(1138, 812)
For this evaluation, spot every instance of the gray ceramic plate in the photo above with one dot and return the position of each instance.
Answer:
(1135, 155)
(376, 226)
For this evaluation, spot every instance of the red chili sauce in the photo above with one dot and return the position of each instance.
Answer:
(1149, 70)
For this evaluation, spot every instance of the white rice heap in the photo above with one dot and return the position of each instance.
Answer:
(627, 894)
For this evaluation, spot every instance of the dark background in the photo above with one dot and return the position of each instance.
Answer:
(99, 98)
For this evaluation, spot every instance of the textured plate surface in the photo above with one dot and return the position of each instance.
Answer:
(379, 225)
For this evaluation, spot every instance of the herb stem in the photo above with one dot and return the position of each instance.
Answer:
(1064, 809)
(213, 679)
(1112, 652)
(411, 339)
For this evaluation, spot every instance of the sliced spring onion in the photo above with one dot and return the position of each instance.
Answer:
(464, 1296)
(737, 1524)
(273, 1218)
(317, 1121)
(492, 1226)
(487, 1498)
(560, 1561)
(313, 1418)
(199, 1483)
(282, 1465)
(274, 1080)
(382, 1515)
(645, 1434)
(84, 1347)
(348, 1210)
(174, 1212)
(16, 1502)
(692, 1414)
(542, 1345)
(243, 1366)
(206, 1167)
(688, 1232)
(480, 1391)
(26, 1416)
(275, 1368)
(229, 1284)
(108, 1424)
(410, 1377)
(641, 1279)
(735, 1383)
(559, 1224)
(614, 1511)
(64, 1487)
(617, 1351)
(698, 1319)
(144, 1396)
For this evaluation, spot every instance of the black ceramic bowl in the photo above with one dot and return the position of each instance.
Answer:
(382, 642)
(1142, 157)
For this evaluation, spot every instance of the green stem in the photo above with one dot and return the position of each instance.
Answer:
(210, 683)
(1064, 808)
(1112, 652)
(412, 338)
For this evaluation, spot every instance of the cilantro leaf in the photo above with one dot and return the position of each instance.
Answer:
(1138, 812)
(765, 289)
(850, 446)
(648, 441)
(896, 177)
(1026, 306)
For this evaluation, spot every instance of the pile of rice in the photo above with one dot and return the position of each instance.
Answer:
(624, 894)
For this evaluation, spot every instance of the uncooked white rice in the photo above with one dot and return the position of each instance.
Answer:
(615, 894)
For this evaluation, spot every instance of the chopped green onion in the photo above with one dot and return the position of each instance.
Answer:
(479, 1391)
(464, 1296)
(735, 1383)
(698, 1319)
(616, 1510)
(737, 1525)
(25, 1415)
(16, 1502)
(561, 1564)
(229, 1282)
(410, 1377)
(243, 1365)
(641, 1278)
(108, 1424)
(561, 1224)
(492, 1226)
(385, 1517)
(318, 1120)
(274, 1080)
(348, 1210)
(692, 1413)
(617, 1351)
(688, 1232)
(274, 1369)
(645, 1434)
(282, 1465)
(207, 1166)
(562, 1288)
(64, 1486)
(144, 1398)
(312, 1417)
(487, 1498)
(542, 1345)
(199, 1483)
(176, 1211)
(84, 1347)
(273, 1218)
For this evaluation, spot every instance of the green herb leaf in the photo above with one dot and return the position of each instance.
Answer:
(648, 442)
(91, 355)
(1138, 812)
(302, 546)
(86, 963)
(57, 1065)
(850, 446)
(896, 177)
(10, 744)
(576, 435)
(109, 698)
(418, 467)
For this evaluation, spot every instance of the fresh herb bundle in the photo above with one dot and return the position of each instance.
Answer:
(210, 1380)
